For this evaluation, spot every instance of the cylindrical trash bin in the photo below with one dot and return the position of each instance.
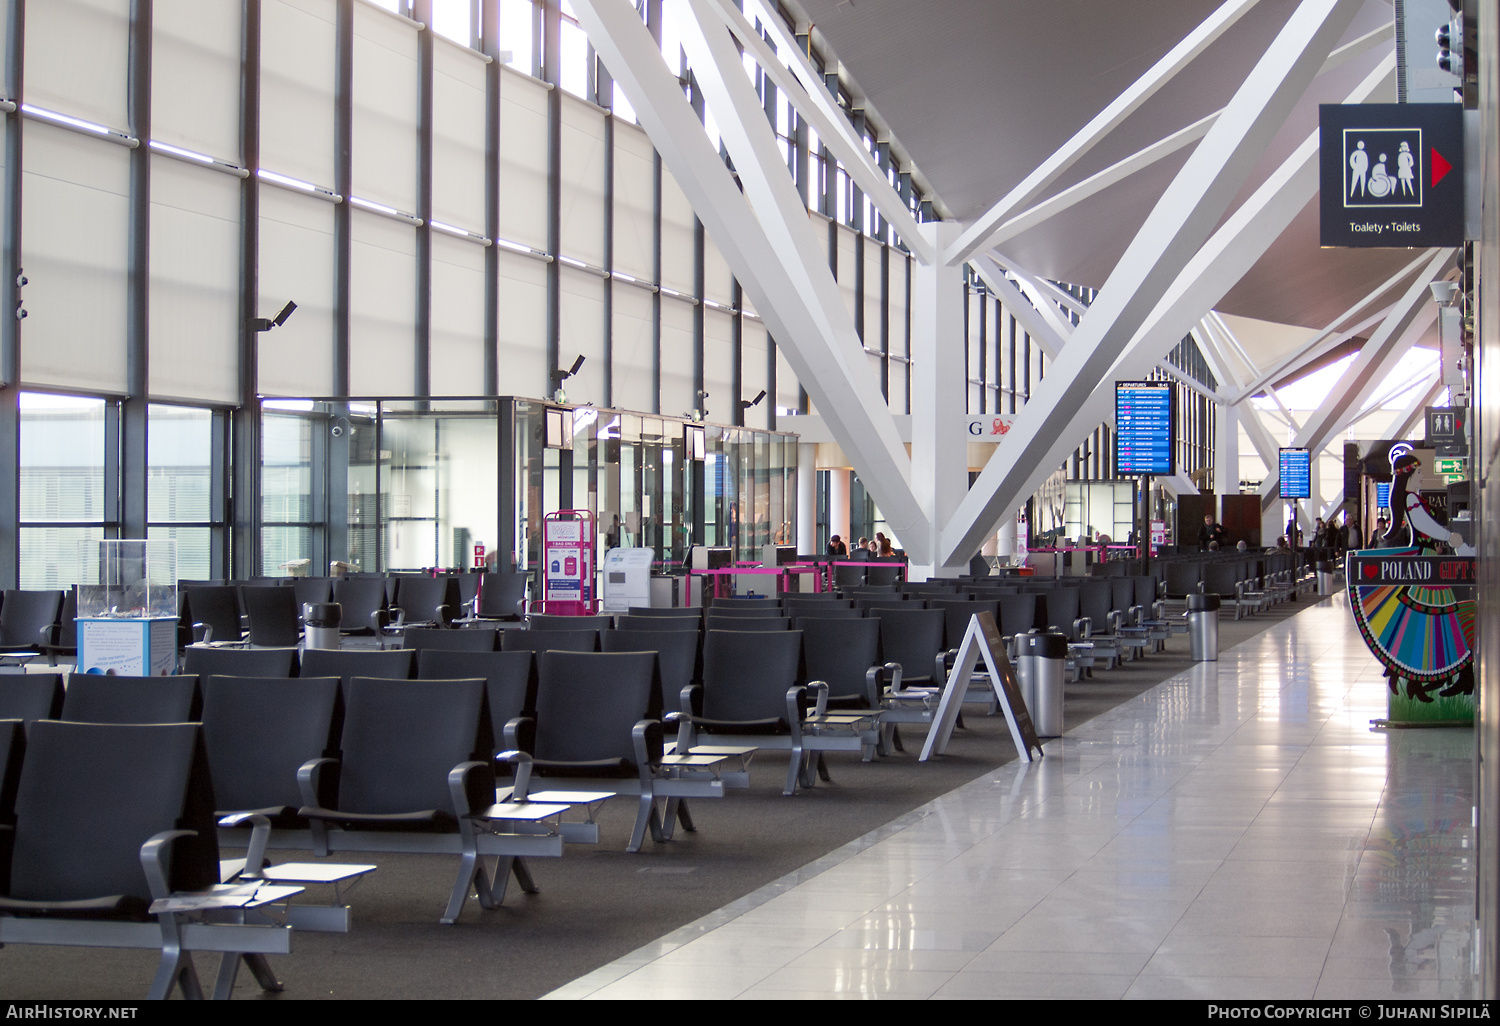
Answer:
(1045, 656)
(321, 620)
(1203, 627)
(1325, 578)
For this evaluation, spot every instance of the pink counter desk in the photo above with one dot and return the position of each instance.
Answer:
(782, 575)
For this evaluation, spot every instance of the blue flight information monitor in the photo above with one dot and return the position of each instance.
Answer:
(1145, 425)
(1383, 494)
(1295, 466)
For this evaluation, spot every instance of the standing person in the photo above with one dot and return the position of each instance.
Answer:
(1356, 538)
(1210, 532)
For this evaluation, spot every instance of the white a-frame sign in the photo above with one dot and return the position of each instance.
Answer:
(982, 639)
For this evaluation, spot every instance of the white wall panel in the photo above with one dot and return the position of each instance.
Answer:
(76, 58)
(634, 202)
(523, 326)
(195, 263)
(677, 224)
(297, 73)
(755, 370)
(195, 76)
(457, 338)
(718, 363)
(676, 357)
(383, 306)
(523, 159)
(718, 280)
(75, 209)
(385, 108)
(632, 335)
(846, 268)
(583, 175)
(581, 333)
(458, 136)
(296, 263)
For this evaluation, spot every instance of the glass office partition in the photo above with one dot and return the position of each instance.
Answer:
(388, 485)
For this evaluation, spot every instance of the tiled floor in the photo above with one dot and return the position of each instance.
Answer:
(1238, 831)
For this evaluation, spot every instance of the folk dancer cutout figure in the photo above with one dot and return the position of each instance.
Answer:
(1359, 163)
(1405, 170)
(1423, 636)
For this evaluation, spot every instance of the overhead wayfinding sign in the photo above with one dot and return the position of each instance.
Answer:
(1391, 174)
(1145, 422)
(1295, 469)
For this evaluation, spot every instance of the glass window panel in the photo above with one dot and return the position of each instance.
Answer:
(621, 105)
(278, 545)
(194, 547)
(515, 32)
(286, 468)
(179, 473)
(62, 458)
(451, 18)
(49, 556)
(574, 73)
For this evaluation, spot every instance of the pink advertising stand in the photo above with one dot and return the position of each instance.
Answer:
(568, 563)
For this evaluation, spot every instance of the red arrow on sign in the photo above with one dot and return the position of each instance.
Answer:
(1440, 167)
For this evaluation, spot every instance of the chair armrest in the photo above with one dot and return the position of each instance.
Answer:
(1083, 627)
(648, 743)
(1116, 618)
(795, 695)
(686, 698)
(152, 860)
(471, 785)
(310, 781)
(522, 763)
(397, 623)
(872, 687)
(894, 669)
(519, 733)
(202, 633)
(820, 702)
(260, 834)
(442, 615)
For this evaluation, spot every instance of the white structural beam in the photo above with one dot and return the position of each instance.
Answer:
(1406, 420)
(1159, 150)
(1148, 300)
(773, 257)
(939, 468)
(976, 237)
(1211, 343)
(812, 100)
(1415, 312)
(1333, 335)
(1046, 333)
(1045, 306)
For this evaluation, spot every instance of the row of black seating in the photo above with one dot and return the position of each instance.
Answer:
(269, 611)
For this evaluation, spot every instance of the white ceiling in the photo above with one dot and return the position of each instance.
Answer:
(979, 92)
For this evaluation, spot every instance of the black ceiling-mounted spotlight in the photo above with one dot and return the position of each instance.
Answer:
(559, 376)
(745, 404)
(266, 324)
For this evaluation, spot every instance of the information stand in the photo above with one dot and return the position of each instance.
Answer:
(568, 563)
(982, 641)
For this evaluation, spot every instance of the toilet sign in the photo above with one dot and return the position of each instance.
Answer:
(1391, 174)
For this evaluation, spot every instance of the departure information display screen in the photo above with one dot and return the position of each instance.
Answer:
(1296, 474)
(1383, 494)
(1145, 423)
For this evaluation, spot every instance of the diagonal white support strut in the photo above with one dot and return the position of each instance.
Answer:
(1147, 276)
(815, 104)
(977, 236)
(789, 285)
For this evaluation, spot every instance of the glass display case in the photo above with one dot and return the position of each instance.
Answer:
(127, 607)
(127, 579)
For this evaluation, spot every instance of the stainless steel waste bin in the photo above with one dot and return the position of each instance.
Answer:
(1043, 659)
(322, 620)
(1203, 627)
(1325, 578)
